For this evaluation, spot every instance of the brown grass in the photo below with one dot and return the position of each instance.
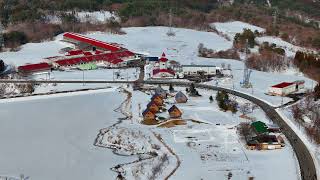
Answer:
(173, 123)
(150, 122)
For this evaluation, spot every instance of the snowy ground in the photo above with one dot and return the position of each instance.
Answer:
(215, 149)
(35, 52)
(65, 127)
(233, 27)
(99, 74)
(52, 137)
(288, 47)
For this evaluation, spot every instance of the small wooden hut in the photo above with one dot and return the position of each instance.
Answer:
(181, 98)
(152, 106)
(157, 99)
(160, 91)
(148, 115)
(175, 112)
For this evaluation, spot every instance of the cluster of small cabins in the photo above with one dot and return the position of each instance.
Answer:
(264, 137)
(157, 105)
(90, 51)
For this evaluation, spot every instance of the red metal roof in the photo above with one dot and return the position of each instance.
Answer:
(35, 67)
(116, 61)
(113, 58)
(75, 52)
(91, 41)
(163, 58)
(87, 53)
(157, 71)
(282, 85)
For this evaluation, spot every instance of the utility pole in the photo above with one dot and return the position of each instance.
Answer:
(83, 77)
(275, 14)
(246, 72)
(170, 32)
(1, 37)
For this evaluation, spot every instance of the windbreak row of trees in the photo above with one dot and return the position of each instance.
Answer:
(308, 63)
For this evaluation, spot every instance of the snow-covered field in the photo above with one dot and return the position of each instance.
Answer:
(288, 47)
(230, 29)
(35, 52)
(233, 27)
(182, 48)
(52, 137)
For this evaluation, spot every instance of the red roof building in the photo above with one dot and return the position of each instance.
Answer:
(31, 68)
(93, 42)
(163, 58)
(282, 85)
(113, 58)
(75, 52)
(282, 89)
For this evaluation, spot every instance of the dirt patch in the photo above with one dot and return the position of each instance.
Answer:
(173, 123)
(149, 122)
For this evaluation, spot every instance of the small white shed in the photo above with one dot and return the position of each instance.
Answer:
(282, 89)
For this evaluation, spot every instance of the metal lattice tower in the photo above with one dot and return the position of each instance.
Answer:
(170, 32)
(275, 15)
(246, 72)
(1, 36)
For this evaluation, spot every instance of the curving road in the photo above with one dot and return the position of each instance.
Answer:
(307, 166)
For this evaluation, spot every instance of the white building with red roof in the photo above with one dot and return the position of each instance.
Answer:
(285, 88)
(163, 71)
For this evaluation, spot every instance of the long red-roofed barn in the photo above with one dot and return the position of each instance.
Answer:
(31, 68)
(106, 53)
(78, 39)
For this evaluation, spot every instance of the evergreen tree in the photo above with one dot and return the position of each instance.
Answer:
(171, 89)
(211, 99)
(317, 92)
(2, 65)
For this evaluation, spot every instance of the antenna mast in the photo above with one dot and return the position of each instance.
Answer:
(170, 32)
(275, 14)
(1, 36)
(246, 72)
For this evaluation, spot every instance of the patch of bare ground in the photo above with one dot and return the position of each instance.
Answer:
(172, 123)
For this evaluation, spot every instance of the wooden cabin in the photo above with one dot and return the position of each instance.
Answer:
(152, 106)
(148, 115)
(181, 98)
(175, 112)
(265, 142)
(160, 91)
(157, 99)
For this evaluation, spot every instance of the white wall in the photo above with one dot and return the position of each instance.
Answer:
(193, 70)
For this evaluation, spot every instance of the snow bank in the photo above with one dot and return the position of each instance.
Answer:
(232, 28)
(288, 47)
